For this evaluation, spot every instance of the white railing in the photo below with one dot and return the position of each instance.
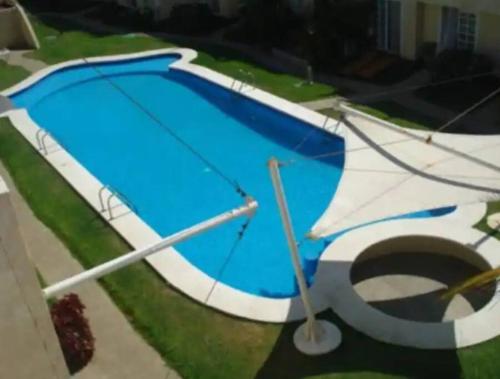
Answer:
(125, 260)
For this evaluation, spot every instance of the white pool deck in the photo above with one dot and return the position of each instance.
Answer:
(406, 177)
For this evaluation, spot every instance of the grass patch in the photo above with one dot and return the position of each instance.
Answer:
(283, 85)
(195, 340)
(331, 113)
(493, 207)
(62, 41)
(10, 75)
(200, 342)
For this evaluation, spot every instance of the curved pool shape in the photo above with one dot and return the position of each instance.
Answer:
(168, 186)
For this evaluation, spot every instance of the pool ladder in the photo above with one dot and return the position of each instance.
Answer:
(331, 128)
(112, 193)
(40, 136)
(239, 85)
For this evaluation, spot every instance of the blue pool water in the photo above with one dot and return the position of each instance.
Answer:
(169, 187)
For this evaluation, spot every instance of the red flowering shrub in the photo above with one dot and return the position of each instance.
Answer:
(72, 328)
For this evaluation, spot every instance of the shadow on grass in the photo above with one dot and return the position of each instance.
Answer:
(63, 22)
(357, 354)
(93, 38)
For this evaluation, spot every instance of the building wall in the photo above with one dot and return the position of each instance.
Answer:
(409, 28)
(11, 35)
(489, 35)
(421, 21)
(430, 19)
(15, 30)
(490, 6)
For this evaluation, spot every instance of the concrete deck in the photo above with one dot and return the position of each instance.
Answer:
(121, 353)
(383, 163)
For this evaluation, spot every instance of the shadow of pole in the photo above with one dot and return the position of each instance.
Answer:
(357, 354)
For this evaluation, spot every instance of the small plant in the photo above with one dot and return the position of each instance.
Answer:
(73, 331)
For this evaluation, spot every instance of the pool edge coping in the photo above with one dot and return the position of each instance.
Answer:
(176, 270)
(169, 264)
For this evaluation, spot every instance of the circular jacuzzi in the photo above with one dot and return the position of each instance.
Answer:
(407, 277)
(387, 281)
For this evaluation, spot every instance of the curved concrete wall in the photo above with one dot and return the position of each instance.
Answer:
(15, 29)
(424, 244)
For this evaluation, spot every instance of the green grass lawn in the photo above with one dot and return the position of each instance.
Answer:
(197, 341)
(200, 342)
(493, 207)
(10, 75)
(61, 41)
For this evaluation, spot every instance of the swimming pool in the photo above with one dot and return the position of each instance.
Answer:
(169, 187)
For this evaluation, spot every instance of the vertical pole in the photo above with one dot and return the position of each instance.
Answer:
(310, 77)
(312, 327)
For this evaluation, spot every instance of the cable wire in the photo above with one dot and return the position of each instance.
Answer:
(239, 237)
(467, 111)
(179, 139)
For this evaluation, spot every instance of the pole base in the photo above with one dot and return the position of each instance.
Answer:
(494, 221)
(327, 341)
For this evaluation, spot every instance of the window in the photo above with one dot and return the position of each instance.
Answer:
(467, 26)
(389, 25)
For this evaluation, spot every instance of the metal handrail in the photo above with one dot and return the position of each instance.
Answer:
(113, 193)
(41, 140)
(242, 81)
(252, 78)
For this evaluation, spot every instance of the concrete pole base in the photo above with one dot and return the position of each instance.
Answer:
(328, 340)
(494, 221)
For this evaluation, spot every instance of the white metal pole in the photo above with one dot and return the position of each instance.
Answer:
(95, 273)
(311, 328)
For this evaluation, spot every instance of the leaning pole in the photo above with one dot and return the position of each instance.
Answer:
(314, 337)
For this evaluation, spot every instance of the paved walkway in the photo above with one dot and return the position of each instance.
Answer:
(18, 58)
(120, 351)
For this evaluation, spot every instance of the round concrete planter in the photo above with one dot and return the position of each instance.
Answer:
(470, 245)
